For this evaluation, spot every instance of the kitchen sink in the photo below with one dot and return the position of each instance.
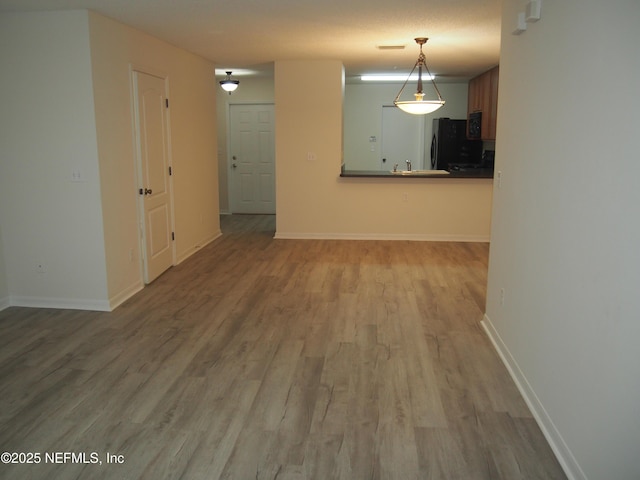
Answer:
(420, 172)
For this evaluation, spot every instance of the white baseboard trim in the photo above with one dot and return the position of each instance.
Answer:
(60, 303)
(183, 256)
(121, 297)
(4, 303)
(418, 237)
(554, 438)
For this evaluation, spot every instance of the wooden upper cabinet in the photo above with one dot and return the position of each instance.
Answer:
(483, 97)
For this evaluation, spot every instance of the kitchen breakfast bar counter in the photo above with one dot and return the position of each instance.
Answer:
(468, 173)
(424, 205)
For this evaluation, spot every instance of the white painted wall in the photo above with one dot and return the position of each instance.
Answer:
(363, 118)
(47, 130)
(312, 201)
(566, 229)
(66, 96)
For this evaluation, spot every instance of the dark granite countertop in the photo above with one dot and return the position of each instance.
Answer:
(467, 173)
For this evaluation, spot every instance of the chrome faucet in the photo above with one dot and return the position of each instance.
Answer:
(408, 165)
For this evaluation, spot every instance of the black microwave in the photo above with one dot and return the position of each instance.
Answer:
(474, 125)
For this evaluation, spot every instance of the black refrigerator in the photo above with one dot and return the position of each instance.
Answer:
(450, 146)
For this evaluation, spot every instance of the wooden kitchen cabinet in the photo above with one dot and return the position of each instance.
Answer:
(483, 97)
(478, 93)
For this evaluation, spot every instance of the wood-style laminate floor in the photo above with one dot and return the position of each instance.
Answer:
(261, 359)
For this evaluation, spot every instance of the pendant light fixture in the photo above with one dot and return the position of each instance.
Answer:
(419, 106)
(228, 84)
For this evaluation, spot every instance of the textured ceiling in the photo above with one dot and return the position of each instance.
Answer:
(464, 35)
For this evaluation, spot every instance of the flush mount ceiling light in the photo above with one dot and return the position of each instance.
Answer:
(419, 106)
(228, 84)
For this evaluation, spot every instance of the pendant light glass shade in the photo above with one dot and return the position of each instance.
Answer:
(419, 106)
(228, 84)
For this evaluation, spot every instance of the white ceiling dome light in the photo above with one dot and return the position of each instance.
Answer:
(228, 84)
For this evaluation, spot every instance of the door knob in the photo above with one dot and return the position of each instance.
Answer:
(147, 191)
(234, 165)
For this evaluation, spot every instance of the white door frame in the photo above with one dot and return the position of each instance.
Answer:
(230, 186)
(133, 71)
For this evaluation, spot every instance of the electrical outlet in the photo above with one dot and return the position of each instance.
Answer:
(501, 296)
(499, 178)
(40, 268)
(311, 156)
(131, 255)
(405, 197)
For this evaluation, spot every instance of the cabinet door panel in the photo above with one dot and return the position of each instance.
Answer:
(483, 97)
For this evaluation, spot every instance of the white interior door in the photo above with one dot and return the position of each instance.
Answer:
(252, 163)
(153, 174)
(402, 139)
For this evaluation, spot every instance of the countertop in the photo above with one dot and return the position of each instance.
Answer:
(468, 173)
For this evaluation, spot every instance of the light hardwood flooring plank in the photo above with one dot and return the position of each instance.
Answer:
(264, 358)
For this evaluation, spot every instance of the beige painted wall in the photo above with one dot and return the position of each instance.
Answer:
(362, 118)
(314, 202)
(115, 50)
(308, 111)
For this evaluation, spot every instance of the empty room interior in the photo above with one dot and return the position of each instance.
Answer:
(320, 240)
